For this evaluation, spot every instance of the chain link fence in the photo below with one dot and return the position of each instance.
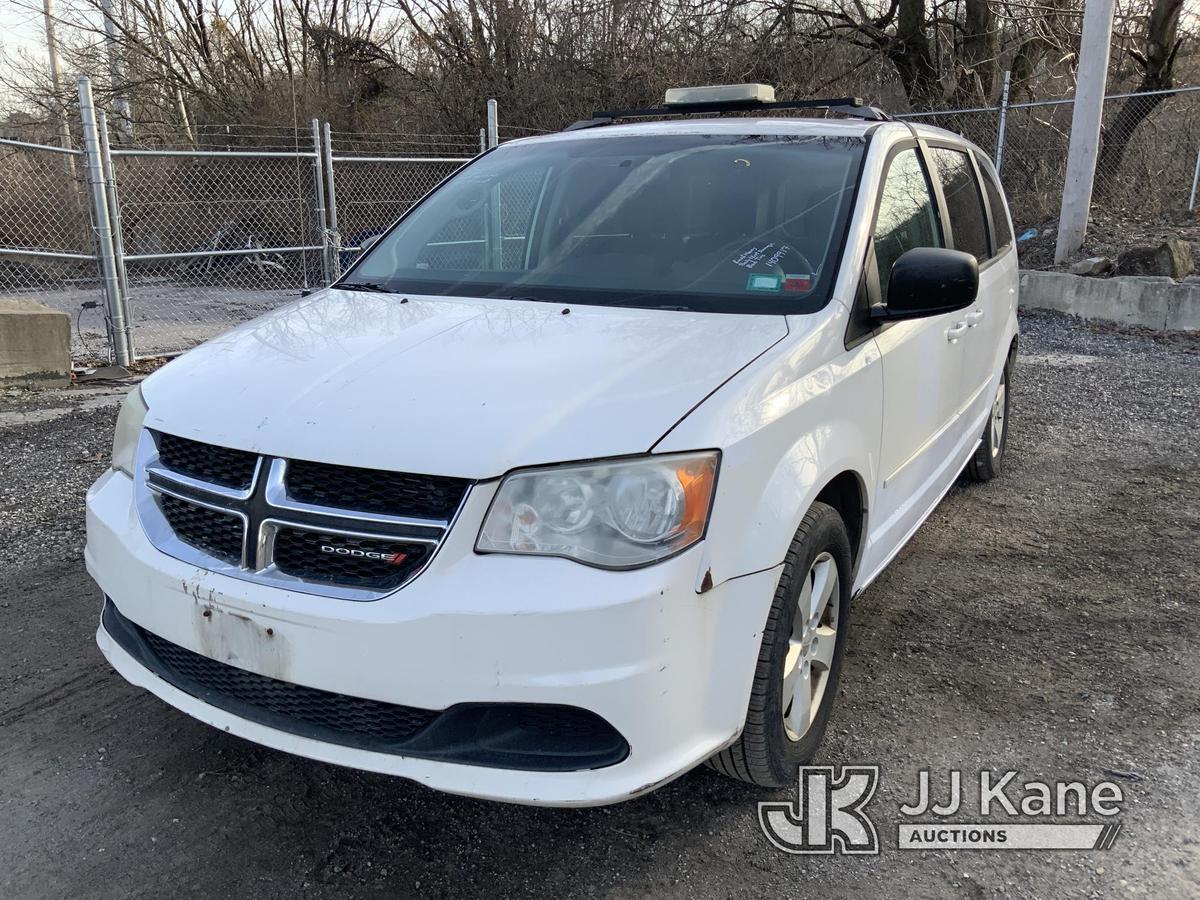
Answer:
(200, 237)
(1153, 173)
(213, 238)
(374, 179)
(47, 252)
(216, 232)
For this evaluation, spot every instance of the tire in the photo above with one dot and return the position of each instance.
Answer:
(769, 751)
(989, 457)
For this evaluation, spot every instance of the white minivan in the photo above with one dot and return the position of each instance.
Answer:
(567, 485)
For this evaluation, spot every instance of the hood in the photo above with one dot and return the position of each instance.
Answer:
(451, 386)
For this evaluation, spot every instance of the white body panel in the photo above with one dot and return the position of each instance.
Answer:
(806, 411)
(475, 388)
(451, 386)
(922, 370)
(669, 668)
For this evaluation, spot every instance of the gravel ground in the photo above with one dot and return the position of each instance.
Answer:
(1045, 622)
(54, 445)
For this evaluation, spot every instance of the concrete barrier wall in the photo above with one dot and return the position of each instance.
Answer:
(35, 343)
(1148, 301)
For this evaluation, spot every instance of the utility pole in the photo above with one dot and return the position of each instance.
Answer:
(493, 125)
(181, 109)
(60, 112)
(120, 99)
(171, 90)
(1090, 78)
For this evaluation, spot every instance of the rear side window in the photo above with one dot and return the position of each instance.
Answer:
(964, 203)
(907, 216)
(1000, 224)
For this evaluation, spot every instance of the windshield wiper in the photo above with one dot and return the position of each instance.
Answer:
(372, 286)
(617, 305)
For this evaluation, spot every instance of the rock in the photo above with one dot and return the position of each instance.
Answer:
(1172, 258)
(103, 373)
(1093, 265)
(1182, 259)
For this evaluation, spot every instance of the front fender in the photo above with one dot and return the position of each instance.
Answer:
(787, 426)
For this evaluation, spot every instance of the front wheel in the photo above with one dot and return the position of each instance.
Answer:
(800, 658)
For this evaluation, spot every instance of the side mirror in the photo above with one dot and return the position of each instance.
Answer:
(929, 281)
(367, 243)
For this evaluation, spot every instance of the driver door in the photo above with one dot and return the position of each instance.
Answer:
(922, 366)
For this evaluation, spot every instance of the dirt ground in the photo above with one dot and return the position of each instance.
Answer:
(1046, 622)
(1110, 234)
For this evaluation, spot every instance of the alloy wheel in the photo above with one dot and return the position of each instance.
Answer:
(998, 416)
(809, 660)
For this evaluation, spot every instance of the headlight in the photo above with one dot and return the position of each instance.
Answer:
(129, 428)
(616, 514)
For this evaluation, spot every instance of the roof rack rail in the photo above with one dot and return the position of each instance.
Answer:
(848, 106)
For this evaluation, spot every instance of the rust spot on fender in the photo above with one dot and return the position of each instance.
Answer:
(707, 584)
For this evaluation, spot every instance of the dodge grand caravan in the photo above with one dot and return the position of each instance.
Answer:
(566, 486)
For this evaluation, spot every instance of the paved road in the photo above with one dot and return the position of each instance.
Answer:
(1046, 622)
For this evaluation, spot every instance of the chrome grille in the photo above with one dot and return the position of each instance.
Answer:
(391, 493)
(341, 559)
(324, 531)
(207, 462)
(220, 533)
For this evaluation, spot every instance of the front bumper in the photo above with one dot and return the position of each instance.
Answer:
(670, 669)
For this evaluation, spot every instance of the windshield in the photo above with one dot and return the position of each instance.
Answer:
(724, 223)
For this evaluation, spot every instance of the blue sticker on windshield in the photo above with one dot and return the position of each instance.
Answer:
(764, 283)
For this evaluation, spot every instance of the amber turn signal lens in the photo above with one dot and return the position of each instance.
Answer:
(698, 478)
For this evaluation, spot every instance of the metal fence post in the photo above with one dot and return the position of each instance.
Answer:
(335, 235)
(114, 223)
(1003, 121)
(1195, 182)
(118, 332)
(494, 226)
(322, 225)
(493, 124)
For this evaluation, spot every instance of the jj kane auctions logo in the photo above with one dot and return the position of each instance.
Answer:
(830, 815)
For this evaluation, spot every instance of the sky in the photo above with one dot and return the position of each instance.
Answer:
(22, 27)
(23, 34)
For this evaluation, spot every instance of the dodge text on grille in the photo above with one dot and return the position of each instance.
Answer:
(396, 558)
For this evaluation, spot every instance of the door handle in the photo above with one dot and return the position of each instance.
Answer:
(974, 317)
(955, 331)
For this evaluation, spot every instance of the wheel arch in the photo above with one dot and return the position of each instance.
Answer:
(831, 465)
(846, 492)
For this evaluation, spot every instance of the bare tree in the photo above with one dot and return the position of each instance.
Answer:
(429, 65)
(1155, 55)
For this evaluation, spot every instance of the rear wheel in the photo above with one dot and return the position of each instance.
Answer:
(985, 464)
(800, 659)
